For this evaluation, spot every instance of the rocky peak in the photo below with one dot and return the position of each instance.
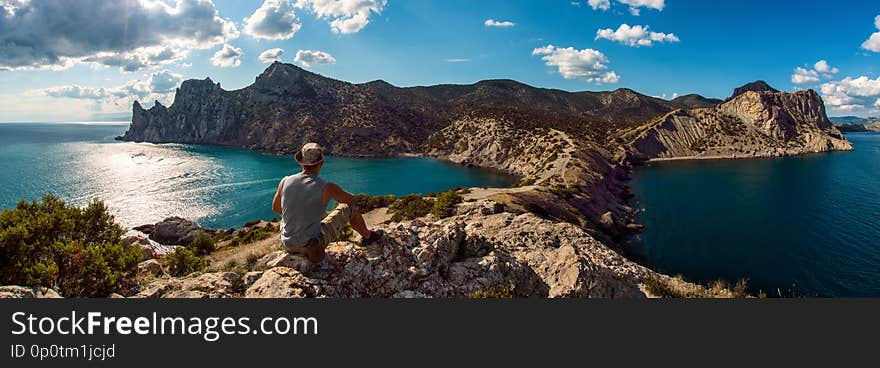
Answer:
(196, 86)
(756, 86)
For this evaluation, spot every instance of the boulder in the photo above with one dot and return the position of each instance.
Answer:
(152, 268)
(176, 231)
(142, 242)
(207, 285)
(281, 282)
(24, 292)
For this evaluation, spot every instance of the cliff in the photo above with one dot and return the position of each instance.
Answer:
(755, 122)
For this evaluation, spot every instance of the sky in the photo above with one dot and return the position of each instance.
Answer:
(91, 61)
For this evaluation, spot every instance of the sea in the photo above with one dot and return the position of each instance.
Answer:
(805, 226)
(217, 187)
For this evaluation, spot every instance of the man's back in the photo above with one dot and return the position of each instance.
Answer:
(302, 208)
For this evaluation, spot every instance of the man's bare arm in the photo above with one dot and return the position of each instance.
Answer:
(340, 195)
(276, 203)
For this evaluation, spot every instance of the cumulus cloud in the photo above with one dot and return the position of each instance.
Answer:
(271, 55)
(873, 42)
(496, 23)
(634, 5)
(130, 34)
(852, 94)
(587, 64)
(827, 70)
(310, 58)
(808, 76)
(274, 20)
(158, 86)
(804, 76)
(345, 16)
(227, 57)
(635, 36)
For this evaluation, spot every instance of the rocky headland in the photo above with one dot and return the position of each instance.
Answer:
(556, 234)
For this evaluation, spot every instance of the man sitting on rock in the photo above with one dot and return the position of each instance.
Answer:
(301, 200)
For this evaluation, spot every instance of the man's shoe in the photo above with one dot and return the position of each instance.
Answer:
(374, 238)
(314, 252)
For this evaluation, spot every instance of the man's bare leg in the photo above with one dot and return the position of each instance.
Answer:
(358, 224)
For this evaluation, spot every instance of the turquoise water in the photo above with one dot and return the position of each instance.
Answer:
(802, 226)
(214, 186)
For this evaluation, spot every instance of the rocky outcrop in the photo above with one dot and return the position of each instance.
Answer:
(756, 86)
(577, 182)
(176, 231)
(757, 122)
(12, 291)
(484, 250)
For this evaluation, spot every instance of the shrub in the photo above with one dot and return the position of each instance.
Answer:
(500, 292)
(202, 245)
(183, 261)
(410, 207)
(78, 251)
(367, 203)
(444, 205)
(251, 261)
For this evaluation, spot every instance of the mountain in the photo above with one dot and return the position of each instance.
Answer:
(848, 119)
(694, 101)
(856, 124)
(756, 86)
(287, 106)
(758, 121)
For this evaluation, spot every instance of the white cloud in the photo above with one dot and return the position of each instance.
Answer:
(600, 4)
(634, 5)
(164, 81)
(158, 86)
(460, 60)
(587, 64)
(823, 67)
(274, 20)
(271, 55)
(227, 57)
(496, 23)
(635, 36)
(804, 76)
(852, 94)
(130, 34)
(346, 16)
(807, 76)
(873, 42)
(310, 58)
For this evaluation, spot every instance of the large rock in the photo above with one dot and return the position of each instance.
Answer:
(519, 255)
(12, 291)
(207, 285)
(152, 268)
(176, 231)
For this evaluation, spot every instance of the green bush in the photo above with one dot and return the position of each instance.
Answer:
(183, 262)
(202, 245)
(77, 251)
(367, 203)
(410, 207)
(444, 205)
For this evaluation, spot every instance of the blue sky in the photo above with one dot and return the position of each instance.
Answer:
(61, 64)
